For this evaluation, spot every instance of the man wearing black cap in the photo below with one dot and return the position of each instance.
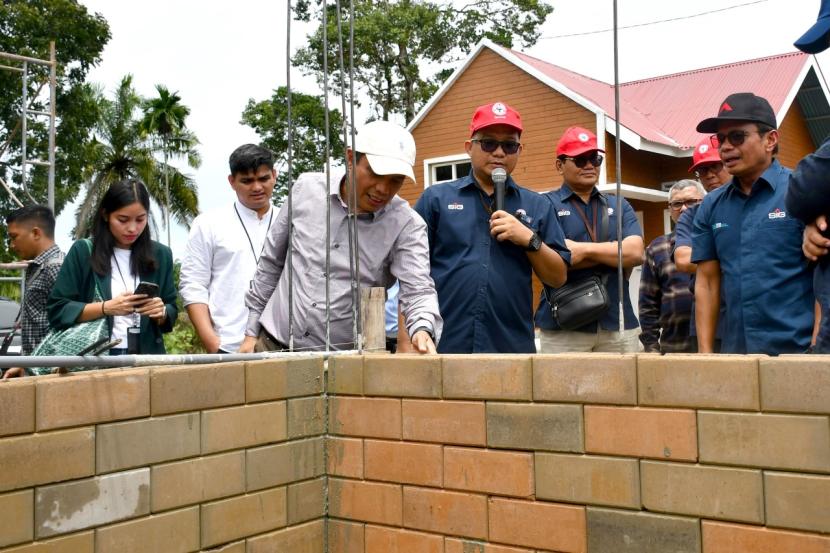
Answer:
(808, 197)
(747, 245)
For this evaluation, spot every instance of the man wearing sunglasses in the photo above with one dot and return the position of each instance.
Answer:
(578, 206)
(746, 245)
(481, 258)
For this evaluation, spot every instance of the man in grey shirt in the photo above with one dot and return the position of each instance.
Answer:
(392, 245)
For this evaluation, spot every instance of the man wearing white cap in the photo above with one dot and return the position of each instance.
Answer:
(392, 245)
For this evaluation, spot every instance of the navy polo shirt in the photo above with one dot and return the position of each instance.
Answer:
(765, 280)
(484, 286)
(574, 229)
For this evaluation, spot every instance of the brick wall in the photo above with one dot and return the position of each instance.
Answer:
(452, 454)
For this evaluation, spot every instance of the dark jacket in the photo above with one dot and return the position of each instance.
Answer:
(75, 287)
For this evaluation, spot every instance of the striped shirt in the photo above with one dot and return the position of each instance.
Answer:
(392, 244)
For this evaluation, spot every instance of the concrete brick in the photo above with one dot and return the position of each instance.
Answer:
(275, 465)
(611, 531)
(305, 501)
(76, 543)
(719, 537)
(365, 501)
(402, 376)
(238, 547)
(769, 441)
(345, 457)
(659, 433)
(92, 397)
(403, 462)
(64, 508)
(548, 526)
(715, 382)
(453, 513)
(395, 540)
(17, 509)
(588, 479)
(17, 407)
(242, 516)
(49, 457)
(489, 471)
(453, 545)
(451, 422)
(174, 532)
(536, 426)
(271, 379)
(345, 375)
(197, 480)
(305, 538)
(306, 417)
(487, 377)
(798, 384)
(369, 417)
(585, 378)
(136, 443)
(194, 387)
(800, 501)
(345, 537)
(243, 426)
(711, 492)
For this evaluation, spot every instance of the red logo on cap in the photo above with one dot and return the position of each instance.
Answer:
(726, 107)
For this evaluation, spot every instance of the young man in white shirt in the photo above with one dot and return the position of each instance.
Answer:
(223, 250)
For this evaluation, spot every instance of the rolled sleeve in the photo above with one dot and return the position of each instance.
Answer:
(268, 271)
(196, 265)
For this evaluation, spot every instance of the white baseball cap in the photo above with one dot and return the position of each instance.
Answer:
(389, 148)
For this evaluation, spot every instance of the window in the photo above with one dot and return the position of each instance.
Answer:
(444, 169)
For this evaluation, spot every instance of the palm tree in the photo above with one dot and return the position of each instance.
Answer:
(164, 121)
(120, 150)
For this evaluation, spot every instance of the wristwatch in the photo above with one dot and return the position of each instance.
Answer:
(535, 243)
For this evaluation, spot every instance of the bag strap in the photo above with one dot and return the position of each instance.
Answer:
(98, 295)
(592, 229)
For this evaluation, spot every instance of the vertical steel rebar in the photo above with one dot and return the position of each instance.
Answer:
(327, 155)
(53, 92)
(289, 136)
(618, 174)
(23, 117)
(356, 285)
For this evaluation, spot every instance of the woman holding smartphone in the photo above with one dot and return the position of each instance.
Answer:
(120, 256)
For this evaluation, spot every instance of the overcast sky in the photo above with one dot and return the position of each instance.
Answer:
(218, 54)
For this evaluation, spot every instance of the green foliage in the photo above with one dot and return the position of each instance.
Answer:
(183, 339)
(269, 118)
(396, 39)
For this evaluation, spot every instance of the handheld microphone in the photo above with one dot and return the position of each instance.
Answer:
(499, 177)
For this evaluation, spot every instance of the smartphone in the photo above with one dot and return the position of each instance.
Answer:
(149, 288)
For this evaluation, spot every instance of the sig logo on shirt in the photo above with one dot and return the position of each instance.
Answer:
(777, 214)
(455, 206)
(718, 226)
(563, 213)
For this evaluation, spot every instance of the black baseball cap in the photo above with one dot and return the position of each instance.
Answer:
(741, 106)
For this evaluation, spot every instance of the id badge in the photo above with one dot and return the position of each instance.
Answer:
(134, 339)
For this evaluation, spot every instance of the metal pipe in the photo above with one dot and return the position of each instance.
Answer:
(23, 126)
(327, 156)
(10, 68)
(356, 252)
(618, 171)
(24, 59)
(290, 144)
(53, 113)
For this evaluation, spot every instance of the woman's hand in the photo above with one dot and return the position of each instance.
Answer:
(151, 307)
(124, 304)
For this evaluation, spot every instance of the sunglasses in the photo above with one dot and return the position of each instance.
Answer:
(709, 168)
(489, 145)
(594, 159)
(678, 204)
(736, 138)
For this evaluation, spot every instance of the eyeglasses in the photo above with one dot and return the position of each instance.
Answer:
(736, 138)
(489, 145)
(709, 168)
(594, 159)
(678, 204)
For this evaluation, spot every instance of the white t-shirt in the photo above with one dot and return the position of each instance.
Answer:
(122, 280)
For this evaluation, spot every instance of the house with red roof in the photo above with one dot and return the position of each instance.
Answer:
(657, 120)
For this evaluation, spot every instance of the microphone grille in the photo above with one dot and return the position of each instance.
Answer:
(499, 175)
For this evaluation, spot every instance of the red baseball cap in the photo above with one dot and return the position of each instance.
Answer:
(497, 113)
(575, 141)
(706, 151)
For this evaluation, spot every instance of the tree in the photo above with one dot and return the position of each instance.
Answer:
(26, 27)
(396, 39)
(120, 150)
(164, 121)
(269, 118)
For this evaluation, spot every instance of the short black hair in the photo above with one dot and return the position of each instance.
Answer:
(37, 215)
(250, 157)
(764, 129)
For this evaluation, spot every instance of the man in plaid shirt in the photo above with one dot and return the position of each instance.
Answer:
(31, 233)
(665, 299)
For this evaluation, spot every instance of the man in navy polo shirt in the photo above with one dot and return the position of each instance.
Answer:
(745, 243)
(481, 258)
(577, 205)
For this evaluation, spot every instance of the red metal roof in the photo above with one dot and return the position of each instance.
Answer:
(666, 109)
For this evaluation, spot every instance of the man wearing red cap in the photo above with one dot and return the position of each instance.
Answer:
(589, 221)
(482, 258)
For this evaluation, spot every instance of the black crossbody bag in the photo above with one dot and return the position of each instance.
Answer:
(579, 303)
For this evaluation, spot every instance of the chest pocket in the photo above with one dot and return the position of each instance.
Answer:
(778, 233)
(458, 227)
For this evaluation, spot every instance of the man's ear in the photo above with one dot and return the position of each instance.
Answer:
(772, 139)
(558, 165)
(37, 233)
(468, 146)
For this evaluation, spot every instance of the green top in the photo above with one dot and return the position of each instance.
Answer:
(75, 287)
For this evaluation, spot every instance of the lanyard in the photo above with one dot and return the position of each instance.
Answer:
(135, 317)
(250, 242)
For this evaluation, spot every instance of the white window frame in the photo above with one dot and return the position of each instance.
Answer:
(430, 163)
